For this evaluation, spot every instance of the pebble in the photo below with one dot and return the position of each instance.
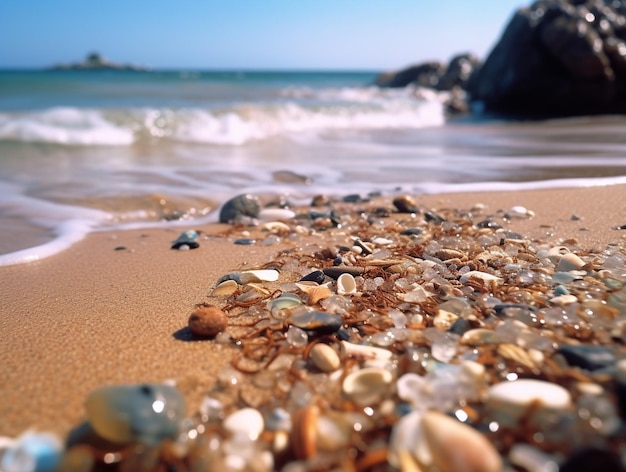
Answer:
(247, 421)
(316, 276)
(335, 272)
(512, 398)
(244, 241)
(187, 240)
(207, 321)
(587, 356)
(405, 204)
(319, 322)
(325, 358)
(456, 446)
(240, 207)
(145, 413)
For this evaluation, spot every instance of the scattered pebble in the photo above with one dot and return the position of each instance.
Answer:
(207, 321)
(239, 208)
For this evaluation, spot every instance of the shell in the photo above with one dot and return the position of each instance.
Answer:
(304, 432)
(367, 386)
(266, 275)
(227, 287)
(314, 292)
(247, 421)
(272, 214)
(284, 301)
(364, 351)
(346, 284)
(570, 261)
(456, 446)
(275, 227)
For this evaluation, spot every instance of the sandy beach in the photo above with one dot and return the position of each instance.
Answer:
(95, 315)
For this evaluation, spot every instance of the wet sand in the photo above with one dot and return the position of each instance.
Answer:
(95, 315)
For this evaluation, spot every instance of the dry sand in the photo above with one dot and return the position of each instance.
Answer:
(95, 315)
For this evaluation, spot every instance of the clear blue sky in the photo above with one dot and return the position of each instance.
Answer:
(250, 34)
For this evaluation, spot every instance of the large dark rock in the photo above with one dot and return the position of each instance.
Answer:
(557, 58)
(426, 75)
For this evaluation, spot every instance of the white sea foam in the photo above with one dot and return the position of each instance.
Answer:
(237, 124)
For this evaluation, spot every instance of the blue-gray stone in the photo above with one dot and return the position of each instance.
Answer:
(239, 208)
(587, 356)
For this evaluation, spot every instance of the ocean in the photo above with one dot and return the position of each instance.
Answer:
(84, 151)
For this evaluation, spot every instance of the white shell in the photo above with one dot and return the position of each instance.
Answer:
(519, 211)
(570, 261)
(273, 214)
(276, 227)
(227, 287)
(407, 439)
(247, 421)
(478, 275)
(346, 284)
(367, 386)
(456, 446)
(265, 275)
(512, 398)
(368, 352)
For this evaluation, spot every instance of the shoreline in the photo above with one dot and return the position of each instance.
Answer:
(94, 315)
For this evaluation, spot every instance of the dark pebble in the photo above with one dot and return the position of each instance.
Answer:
(318, 322)
(240, 207)
(412, 231)
(587, 356)
(335, 272)
(188, 238)
(354, 198)
(245, 241)
(338, 260)
(433, 218)
(488, 224)
(120, 248)
(316, 276)
(405, 204)
(592, 458)
(460, 326)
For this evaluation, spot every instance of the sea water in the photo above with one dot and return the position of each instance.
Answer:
(84, 151)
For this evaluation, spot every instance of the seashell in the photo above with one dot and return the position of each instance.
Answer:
(240, 207)
(273, 214)
(517, 354)
(314, 292)
(247, 421)
(317, 321)
(325, 358)
(284, 301)
(510, 399)
(367, 386)
(484, 277)
(266, 275)
(304, 432)
(365, 351)
(456, 446)
(570, 261)
(346, 284)
(563, 300)
(275, 227)
(187, 239)
(379, 241)
(407, 444)
(146, 413)
(227, 287)
(519, 211)
(446, 254)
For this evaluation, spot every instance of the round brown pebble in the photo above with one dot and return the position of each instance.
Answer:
(207, 321)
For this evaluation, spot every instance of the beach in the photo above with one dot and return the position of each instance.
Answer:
(108, 309)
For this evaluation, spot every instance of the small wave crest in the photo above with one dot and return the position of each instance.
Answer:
(295, 111)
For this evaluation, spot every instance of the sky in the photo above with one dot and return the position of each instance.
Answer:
(250, 34)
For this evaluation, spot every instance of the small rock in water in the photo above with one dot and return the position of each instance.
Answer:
(187, 240)
(207, 321)
(239, 208)
(145, 413)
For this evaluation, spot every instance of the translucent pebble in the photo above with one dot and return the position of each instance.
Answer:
(211, 409)
(229, 376)
(525, 277)
(146, 413)
(33, 452)
(443, 345)
(398, 318)
(336, 304)
(270, 240)
(297, 337)
(530, 458)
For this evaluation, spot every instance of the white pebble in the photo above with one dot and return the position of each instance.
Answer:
(247, 421)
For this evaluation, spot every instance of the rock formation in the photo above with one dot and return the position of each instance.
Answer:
(557, 58)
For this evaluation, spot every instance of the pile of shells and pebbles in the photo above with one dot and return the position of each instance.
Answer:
(403, 339)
